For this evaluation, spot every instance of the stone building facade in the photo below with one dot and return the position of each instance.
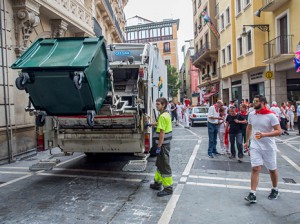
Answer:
(23, 22)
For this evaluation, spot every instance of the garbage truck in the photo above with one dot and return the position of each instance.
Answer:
(90, 97)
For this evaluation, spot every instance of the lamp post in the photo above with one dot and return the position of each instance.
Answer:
(264, 28)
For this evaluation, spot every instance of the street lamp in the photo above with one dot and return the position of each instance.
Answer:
(264, 28)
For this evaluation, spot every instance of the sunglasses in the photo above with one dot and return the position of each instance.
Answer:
(256, 101)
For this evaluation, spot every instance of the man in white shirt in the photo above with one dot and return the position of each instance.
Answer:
(213, 118)
(263, 148)
(275, 109)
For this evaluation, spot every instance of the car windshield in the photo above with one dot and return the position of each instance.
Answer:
(202, 110)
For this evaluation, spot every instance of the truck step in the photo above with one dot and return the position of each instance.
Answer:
(135, 166)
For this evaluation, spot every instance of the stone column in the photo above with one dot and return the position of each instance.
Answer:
(58, 27)
(245, 85)
(25, 18)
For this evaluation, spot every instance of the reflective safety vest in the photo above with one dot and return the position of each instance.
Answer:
(165, 123)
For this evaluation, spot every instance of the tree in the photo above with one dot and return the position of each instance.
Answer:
(174, 83)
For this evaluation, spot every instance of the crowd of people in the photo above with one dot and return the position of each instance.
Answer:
(247, 128)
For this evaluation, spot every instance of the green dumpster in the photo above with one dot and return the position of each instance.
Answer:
(64, 76)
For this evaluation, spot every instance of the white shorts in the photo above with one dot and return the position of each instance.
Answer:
(263, 157)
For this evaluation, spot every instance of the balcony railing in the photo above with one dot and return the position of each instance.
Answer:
(115, 20)
(206, 47)
(278, 46)
(205, 77)
(272, 5)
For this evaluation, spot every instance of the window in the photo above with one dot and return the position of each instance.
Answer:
(227, 16)
(223, 56)
(196, 29)
(208, 69)
(229, 52)
(247, 2)
(238, 7)
(249, 41)
(168, 62)
(166, 31)
(200, 23)
(194, 7)
(222, 21)
(167, 47)
(239, 46)
(214, 67)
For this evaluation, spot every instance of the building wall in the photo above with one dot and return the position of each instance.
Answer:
(47, 19)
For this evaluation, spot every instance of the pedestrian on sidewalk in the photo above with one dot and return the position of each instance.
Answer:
(265, 126)
(213, 118)
(186, 111)
(291, 116)
(234, 121)
(163, 136)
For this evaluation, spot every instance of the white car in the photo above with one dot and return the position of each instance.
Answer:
(198, 115)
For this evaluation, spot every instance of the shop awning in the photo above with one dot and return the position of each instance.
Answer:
(207, 96)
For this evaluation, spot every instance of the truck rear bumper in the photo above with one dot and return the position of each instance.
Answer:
(102, 143)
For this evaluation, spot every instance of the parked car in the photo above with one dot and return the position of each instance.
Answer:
(198, 115)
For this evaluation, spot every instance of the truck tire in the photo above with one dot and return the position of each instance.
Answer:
(19, 83)
(40, 120)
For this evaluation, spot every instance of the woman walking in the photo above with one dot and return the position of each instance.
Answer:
(283, 119)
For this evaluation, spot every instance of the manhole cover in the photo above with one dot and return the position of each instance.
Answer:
(289, 180)
(233, 166)
(135, 166)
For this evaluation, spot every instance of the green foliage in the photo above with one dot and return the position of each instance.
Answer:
(174, 83)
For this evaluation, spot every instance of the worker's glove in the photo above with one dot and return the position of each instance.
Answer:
(158, 149)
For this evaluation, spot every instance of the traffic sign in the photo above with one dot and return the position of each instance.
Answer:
(269, 74)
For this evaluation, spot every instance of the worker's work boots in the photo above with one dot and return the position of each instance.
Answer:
(156, 186)
(166, 191)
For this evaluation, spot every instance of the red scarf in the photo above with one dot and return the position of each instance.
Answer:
(264, 110)
(243, 113)
(216, 108)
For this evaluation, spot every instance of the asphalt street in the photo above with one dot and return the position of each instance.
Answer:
(96, 190)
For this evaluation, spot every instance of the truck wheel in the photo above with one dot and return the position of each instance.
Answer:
(40, 120)
(19, 83)
(77, 82)
(90, 120)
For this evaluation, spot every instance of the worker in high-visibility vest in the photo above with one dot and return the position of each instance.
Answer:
(163, 136)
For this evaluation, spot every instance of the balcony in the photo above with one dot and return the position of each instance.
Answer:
(110, 17)
(204, 55)
(272, 5)
(281, 49)
(78, 17)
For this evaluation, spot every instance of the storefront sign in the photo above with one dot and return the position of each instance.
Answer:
(256, 76)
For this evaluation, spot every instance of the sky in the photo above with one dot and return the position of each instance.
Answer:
(157, 10)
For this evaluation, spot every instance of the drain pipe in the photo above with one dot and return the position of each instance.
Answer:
(4, 89)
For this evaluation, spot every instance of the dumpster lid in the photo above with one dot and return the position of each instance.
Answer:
(60, 52)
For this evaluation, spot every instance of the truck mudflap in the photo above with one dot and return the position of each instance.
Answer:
(100, 122)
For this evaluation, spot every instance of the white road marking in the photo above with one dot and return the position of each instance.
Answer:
(289, 160)
(234, 179)
(293, 147)
(188, 167)
(239, 187)
(70, 160)
(169, 210)
(191, 139)
(13, 172)
(15, 180)
(90, 177)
